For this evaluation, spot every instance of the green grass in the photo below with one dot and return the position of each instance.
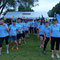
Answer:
(30, 51)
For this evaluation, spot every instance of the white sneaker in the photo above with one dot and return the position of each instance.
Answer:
(58, 56)
(52, 56)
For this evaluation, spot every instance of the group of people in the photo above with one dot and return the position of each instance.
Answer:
(20, 29)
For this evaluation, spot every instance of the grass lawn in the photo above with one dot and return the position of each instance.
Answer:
(30, 51)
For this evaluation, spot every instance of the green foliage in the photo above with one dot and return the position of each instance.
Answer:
(30, 51)
(54, 10)
(26, 6)
(23, 5)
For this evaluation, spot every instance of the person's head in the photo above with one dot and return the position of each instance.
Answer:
(40, 20)
(43, 20)
(1, 21)
(14, 22)
(54, 21)
(46, 24)
(18, 20)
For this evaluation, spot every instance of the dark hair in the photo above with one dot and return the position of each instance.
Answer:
(14, 20)
(54, 19)
(19, 18)
(42, 22)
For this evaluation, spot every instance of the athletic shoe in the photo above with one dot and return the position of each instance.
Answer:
(57, 56)
(44, 52)
(7, 52)
(0, 53)
(17, 48)
(52, 56)
(12, 48)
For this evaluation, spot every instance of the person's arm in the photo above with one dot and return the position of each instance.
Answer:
(17, 32)
(40, 30)
(50, 34)
(44, 36)
(6, 27)
(21, 29)
(9, 33)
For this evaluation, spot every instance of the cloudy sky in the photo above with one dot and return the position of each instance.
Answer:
(45, 5)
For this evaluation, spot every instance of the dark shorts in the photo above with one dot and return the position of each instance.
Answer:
(42, 35)
(19, 36)
(26, 31)
(2, 39)
(13, 38)
(23, 35)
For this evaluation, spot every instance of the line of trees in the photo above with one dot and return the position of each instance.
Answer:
(55, 10)
(23, 5)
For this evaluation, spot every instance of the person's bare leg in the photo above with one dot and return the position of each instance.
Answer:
(52, 54)
(16, 45)
(0, 50)
(57, 53)
(20, 41)
(12, 45)
(24, 41)
(7, 47)
(42, 42)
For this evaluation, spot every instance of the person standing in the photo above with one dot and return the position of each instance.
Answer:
(55, 37)
(20, 28)
(41, 29)
(13, 34)
(4, 35)
(46, 36)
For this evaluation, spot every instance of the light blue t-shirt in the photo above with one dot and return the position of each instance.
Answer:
(32, 24)
(38, 25)
(13, 29)
(3, 31)
(47, 31)
(35, 25)
(55, 30)
(19, 27)
(26, 27)
(23, 24)
(29, 23)
(42, 28)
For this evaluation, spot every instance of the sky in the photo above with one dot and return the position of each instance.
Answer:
(45, 5)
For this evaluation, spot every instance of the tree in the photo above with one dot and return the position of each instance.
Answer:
(23, 5)
(6, 4)
(54, 10)
(26, 5)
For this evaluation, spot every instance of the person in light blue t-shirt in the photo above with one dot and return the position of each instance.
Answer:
(21, 33)
(46, 36)
(35, 27)
(32, 26)
(38, 25)
(27, 29)
(13, 34)
(41, 29)
(55, 37)
(4, 35)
